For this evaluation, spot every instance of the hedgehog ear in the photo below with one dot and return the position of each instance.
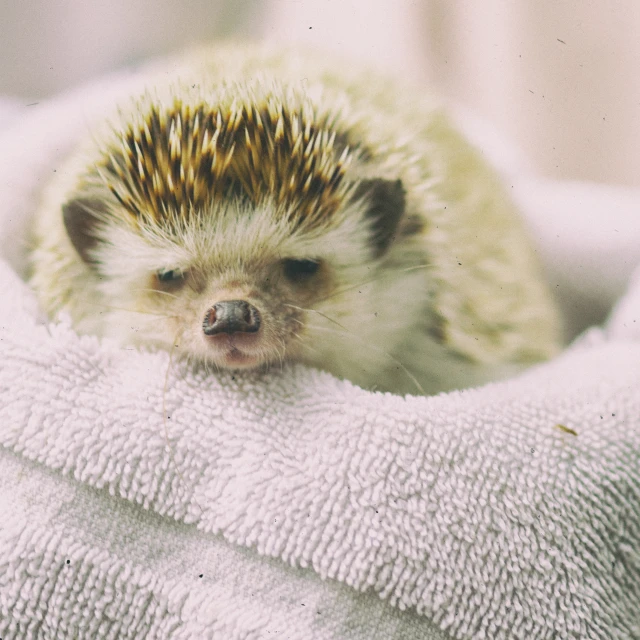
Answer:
(385, 207)
(82, 221)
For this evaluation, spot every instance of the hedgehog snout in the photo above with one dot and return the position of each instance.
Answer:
(231, 316)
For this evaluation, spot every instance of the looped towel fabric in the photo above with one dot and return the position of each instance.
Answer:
(141, 498)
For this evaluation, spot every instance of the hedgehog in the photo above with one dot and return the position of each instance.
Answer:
(254, 207)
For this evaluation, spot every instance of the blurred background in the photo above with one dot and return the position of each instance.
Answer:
(560, 79)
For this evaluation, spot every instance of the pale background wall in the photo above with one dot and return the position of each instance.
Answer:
(559, 78)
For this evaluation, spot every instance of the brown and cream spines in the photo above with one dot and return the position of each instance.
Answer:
(256, 206)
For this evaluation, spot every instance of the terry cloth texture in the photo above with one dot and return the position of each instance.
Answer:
(143, 499)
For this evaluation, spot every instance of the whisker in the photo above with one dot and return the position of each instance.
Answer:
(305, 342)
(377, 349)
(415, 267)
(326, 317)
(191, 285)
(111, 307)
(361, 341)
(189, 365)
(282, 354)
(150, 290)
(383, 274)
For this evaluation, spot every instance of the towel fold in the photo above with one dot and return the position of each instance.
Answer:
(144, 499)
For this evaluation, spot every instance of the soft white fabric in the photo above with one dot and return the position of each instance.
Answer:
(140, 499)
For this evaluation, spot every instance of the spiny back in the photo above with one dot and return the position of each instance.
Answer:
(168, 161)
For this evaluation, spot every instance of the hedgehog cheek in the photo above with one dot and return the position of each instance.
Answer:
(385, 207)
(81, 220)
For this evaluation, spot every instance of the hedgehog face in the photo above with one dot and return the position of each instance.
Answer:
(236, 285)
(240, 236)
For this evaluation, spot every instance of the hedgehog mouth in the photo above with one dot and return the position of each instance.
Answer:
(230, 352)
(237, 359)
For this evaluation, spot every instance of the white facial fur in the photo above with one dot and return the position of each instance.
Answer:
(347, 318)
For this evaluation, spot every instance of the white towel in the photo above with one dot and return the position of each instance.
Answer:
(142, 499)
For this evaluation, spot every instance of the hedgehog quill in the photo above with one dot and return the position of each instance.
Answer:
(257, 207)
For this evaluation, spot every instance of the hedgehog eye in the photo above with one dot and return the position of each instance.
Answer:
(300, 270)
(171, 276)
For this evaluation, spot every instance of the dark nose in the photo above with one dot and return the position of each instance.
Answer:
(231, 316)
